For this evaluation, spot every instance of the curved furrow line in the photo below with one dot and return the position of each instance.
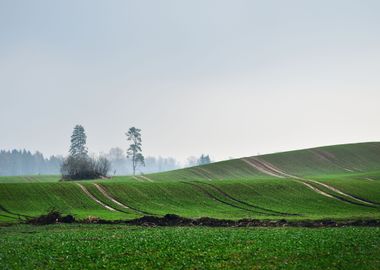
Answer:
(205, 173)
(327, 157)
(205, 191)
(92, 197)
(365, 200)
(146, 178)
(138, 179)
(256, 165)
(356, 198)
(343, 199)
(274, 171)
(11, 213)
(199, 173)
(105, 194)
(318, 190)
(103, 190)
(225, 194)
(6, 216)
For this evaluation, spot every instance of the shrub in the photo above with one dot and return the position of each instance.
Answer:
(84, 167)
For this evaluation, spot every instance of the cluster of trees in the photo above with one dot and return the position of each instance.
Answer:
(22, 162)
(195, 161)
(79, 165)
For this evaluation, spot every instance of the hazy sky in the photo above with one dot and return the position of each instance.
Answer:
(228, 78)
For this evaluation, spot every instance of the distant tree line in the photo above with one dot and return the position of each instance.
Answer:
(121, 165)
(197, 161)
(80, 165)
(23, 162)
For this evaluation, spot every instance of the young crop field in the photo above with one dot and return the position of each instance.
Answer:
(336, 182)
(125, 247)
(339, 183)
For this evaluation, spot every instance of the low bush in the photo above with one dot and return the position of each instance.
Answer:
(84, 167)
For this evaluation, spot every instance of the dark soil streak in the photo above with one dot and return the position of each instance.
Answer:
(248, 204)
(221, 201)
(174, 220)
(11, 213)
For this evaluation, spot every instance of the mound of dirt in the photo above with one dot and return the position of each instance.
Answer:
(174, 220)
(52, 217)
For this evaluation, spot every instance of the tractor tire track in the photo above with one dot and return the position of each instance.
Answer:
(6, 216)
(199, 173)
(138, 179)
(205, 173)
(318, 190)
(92, 197)
(262, 168)
(108, 196)
(368, 201)
(2, 208)
(330, 158)
(146, 178)
(269, 169)
(209, 194)
(248, 204)
(312, 185)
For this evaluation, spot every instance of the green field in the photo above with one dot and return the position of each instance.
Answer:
(124, 247)
(336, 182)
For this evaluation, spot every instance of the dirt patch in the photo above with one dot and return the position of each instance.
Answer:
(174, 220)
(52, 217)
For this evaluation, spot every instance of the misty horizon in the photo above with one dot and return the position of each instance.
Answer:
(229, 79)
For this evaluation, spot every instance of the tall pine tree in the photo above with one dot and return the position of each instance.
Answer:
(78, 147)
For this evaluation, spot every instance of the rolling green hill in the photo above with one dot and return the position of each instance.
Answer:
(340, 182)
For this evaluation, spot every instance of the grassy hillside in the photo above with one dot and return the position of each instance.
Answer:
(338, 182)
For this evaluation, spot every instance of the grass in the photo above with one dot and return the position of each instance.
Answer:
(225, 190)
(230, 189)
(29, 179)
(337, 159)
(124, 247)
(33, 199)
(224, 199)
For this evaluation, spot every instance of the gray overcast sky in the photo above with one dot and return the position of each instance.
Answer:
(229, 78)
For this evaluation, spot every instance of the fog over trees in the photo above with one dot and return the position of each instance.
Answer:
(81, 164)
(23, 162)
(121, 165)
(116, 161)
